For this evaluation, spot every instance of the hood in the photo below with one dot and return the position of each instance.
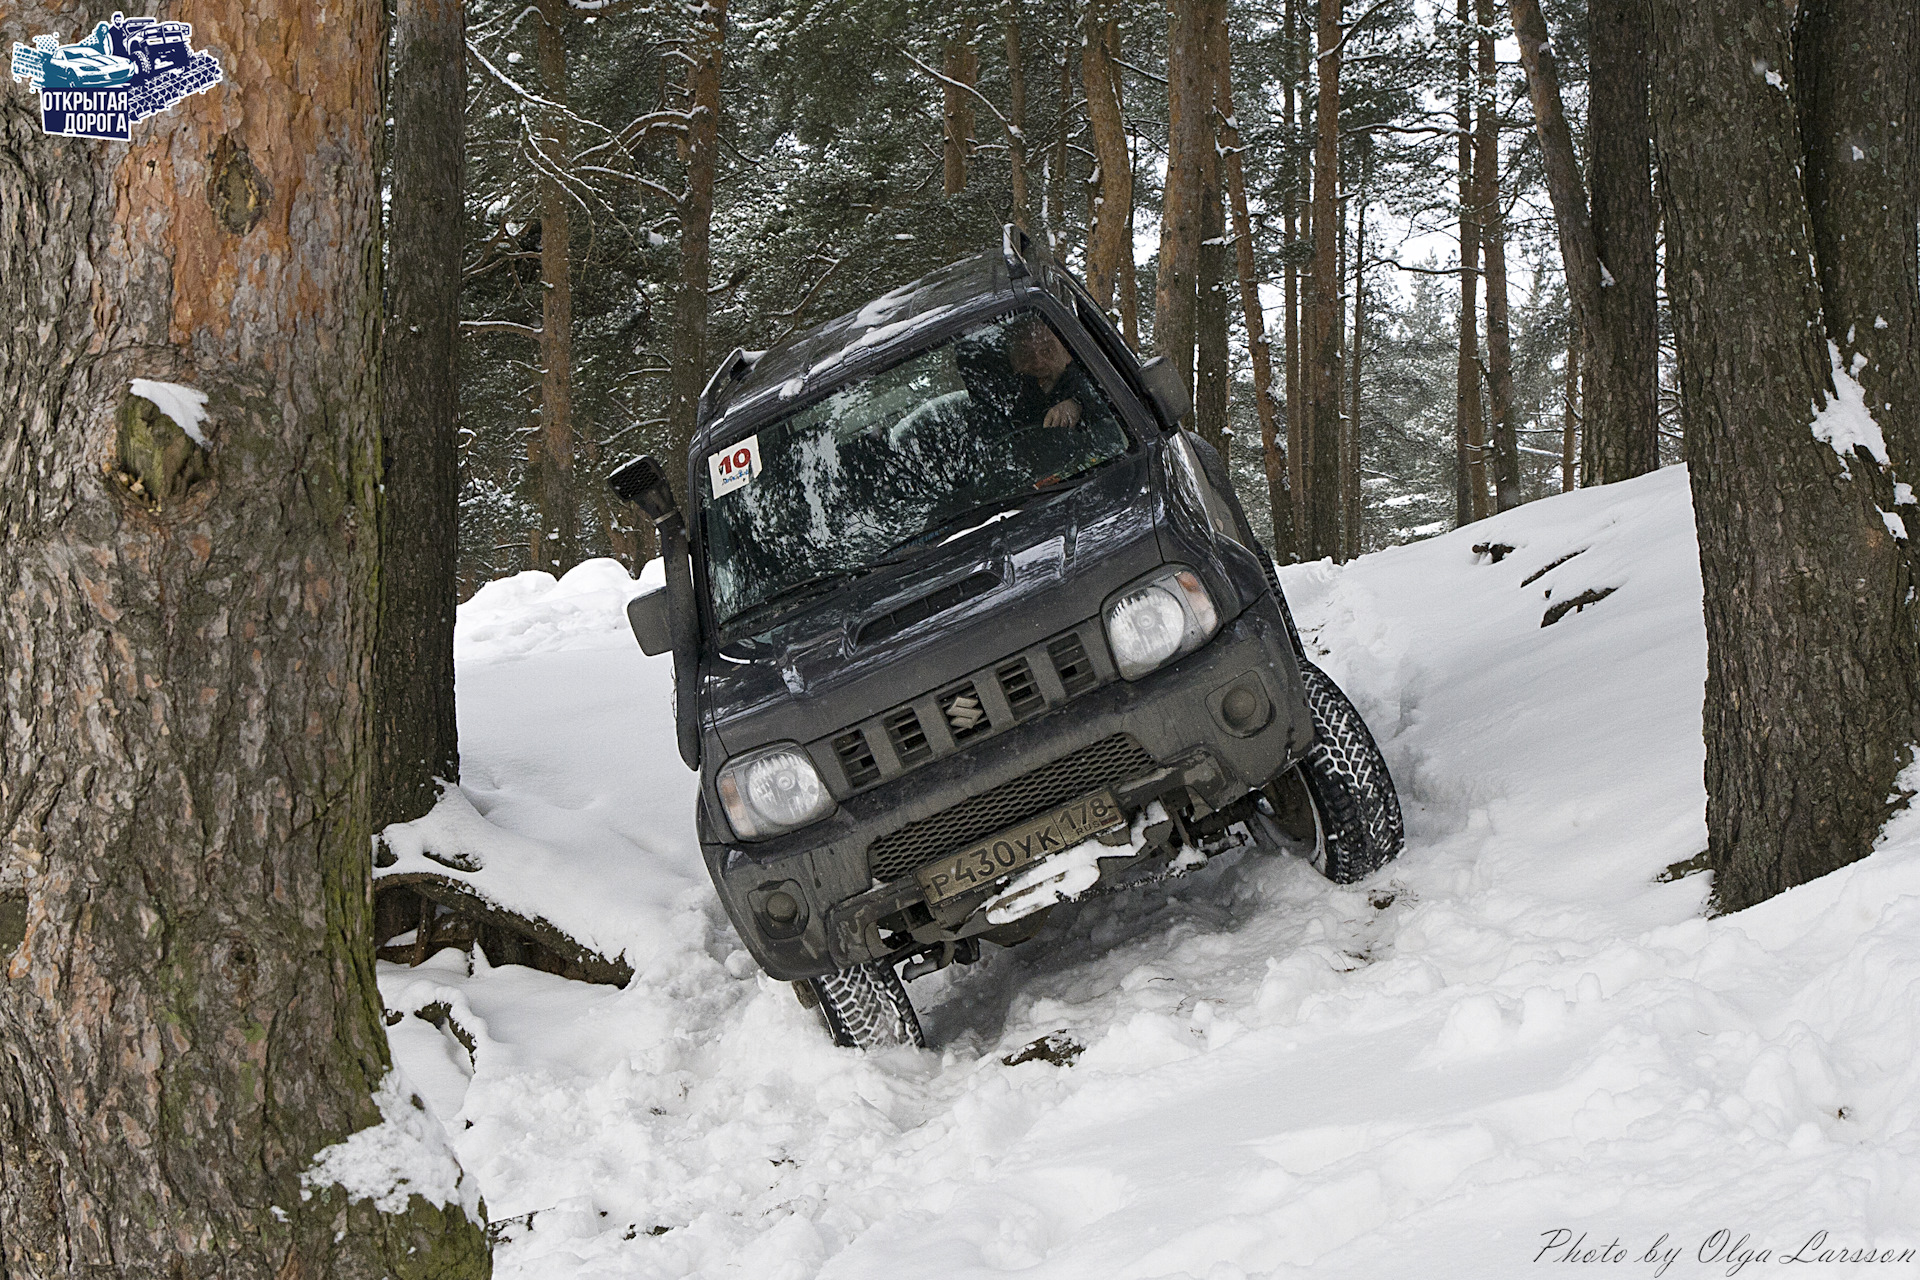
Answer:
(984, 594)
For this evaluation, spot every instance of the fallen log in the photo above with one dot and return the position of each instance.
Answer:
(440, 911)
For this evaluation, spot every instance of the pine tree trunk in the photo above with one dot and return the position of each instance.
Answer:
(559, 535)
(1493, 243)
(1570, 418)
(1110, 226)
(1623, 436)
(1812, 702)
(1470, 484)
(1210, 304)
(1129, 277)
(1350, 471)
(1058, 175)
(1608, 251)
(1017, 119)
(1294, 177)
(188, 1013)
(1273, 452)
(960, 62)
(702, 147)
(415, 736)
(1858, 63)
(1324, 383)
(1189, 102)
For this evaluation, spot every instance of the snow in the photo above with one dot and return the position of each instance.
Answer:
(560, 718)
(1066, 875)
(1845, 423)
(404, 1155)
(1517, 1043)
(187, 406)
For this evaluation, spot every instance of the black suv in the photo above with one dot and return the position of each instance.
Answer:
(965, 625)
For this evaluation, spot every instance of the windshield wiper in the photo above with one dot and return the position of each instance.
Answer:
(1003, 505)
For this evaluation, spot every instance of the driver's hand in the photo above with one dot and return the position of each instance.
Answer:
(1064, 414)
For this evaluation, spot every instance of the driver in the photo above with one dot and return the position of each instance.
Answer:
(1053, 388)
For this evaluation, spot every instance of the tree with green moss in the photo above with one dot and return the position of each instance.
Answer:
(189, 1024)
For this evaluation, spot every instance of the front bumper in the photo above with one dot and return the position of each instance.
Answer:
(1184, 741)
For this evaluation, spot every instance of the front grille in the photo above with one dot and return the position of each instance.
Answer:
(1105, 763)
(908, 738)
(856, 757)
(986, 702)
(965, 716)
(1016, 681)
(1069, 657)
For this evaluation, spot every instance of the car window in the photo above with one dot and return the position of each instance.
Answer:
(898, 459)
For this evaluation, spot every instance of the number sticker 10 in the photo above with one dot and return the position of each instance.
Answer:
(734, 466)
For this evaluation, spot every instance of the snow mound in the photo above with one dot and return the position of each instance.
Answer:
(533, 612)
(403, 1156)
(573, 805)
(1520, 1038)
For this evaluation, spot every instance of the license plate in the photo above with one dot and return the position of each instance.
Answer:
(988, 860)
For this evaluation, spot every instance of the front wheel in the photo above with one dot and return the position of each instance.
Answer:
(1340, 797)
(866, 1007)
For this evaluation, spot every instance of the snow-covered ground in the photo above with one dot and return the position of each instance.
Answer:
(1517, 1047)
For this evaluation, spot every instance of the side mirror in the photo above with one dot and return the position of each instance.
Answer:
(643, 483)
(651, 618)
(1167, 391)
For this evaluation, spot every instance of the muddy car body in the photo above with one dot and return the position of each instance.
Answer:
(1076, 645)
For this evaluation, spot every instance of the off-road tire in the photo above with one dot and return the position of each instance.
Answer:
(866, 1007)
(1349, 784)
(1358, 827)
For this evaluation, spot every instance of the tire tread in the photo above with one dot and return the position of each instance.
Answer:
(867, 1007)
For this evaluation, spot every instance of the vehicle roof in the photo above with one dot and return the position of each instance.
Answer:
(749, 383)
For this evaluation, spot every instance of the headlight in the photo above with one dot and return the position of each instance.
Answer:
(1158, 619)
(772, 790)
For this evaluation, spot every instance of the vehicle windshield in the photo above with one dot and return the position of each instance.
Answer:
(909, 457)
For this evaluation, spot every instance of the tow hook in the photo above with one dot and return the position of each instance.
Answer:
(934, 959)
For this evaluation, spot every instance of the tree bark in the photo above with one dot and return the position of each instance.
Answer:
(702, 152)
(1470, 482)
(1129, 275)
(1189, 100)
(188, 1013)
(1493, 243)
(1058, 180)
(1273, 451)
(1210, 305)
(559, 535)
(1294, 176)
(1609, 252)
(960, 61)
(1324, 383)
(1812, 703)
(1350, 464)
(1858, 65)
(1110, 227)
(1570, 419)
(1017, 120)
(1623, 437)
(415, 735)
